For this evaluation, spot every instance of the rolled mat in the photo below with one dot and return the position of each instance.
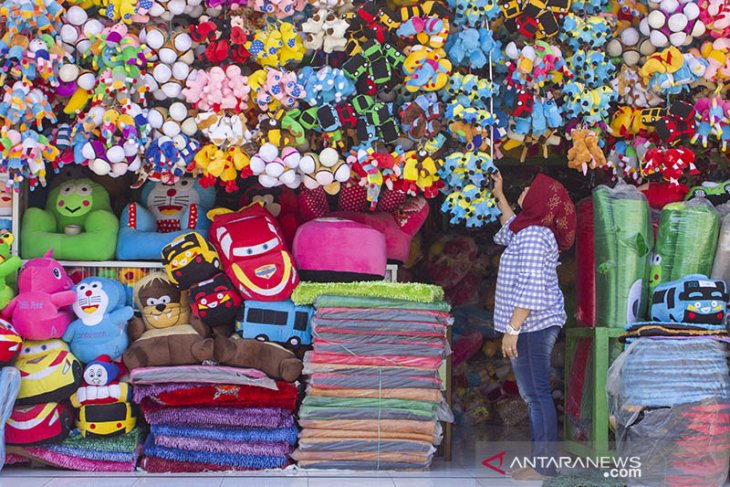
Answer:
(217, 416)
(274, 449)
(308, 292)
(163, 465)
(222, 459)
(623, 240)
(721, 264)
(288, 435)
(686, 241)
(217, 395)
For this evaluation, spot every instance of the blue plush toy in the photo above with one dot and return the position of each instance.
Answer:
(101, 327)
(580, 31)
(164, 213)
(473, 13)
(325, 85)
(694, 299)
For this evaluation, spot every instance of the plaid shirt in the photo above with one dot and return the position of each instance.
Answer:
(528, 278)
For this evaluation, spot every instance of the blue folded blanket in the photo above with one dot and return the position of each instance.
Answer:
(106, 456)
(288, 435)
(214, 458)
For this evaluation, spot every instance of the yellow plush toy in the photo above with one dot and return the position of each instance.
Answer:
(585, 153)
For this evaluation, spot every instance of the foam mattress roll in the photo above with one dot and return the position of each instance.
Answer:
(623, 239)
(721, 265)
(585, 285)
(686, 241)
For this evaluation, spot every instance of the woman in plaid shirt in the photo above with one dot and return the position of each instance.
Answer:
(528, 306)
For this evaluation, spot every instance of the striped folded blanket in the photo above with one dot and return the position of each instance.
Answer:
(288, 435)
(217, 416)
(214, 458)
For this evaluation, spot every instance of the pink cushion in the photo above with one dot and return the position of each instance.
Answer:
(327, 249)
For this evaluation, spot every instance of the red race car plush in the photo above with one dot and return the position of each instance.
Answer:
(48, 422)
(10, 343)
(253, 252)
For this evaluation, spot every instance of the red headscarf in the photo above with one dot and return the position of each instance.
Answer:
(547, 204)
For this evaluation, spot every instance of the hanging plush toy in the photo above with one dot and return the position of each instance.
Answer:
(586, 152)
(671, 163)
(325, 30)
(327, 169)
(674, 23)
(275, 168)
(468, 199)
(101, 324)
(217, 89)
(222, 167)
(273, 89)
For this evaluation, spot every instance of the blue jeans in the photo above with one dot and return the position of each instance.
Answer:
(532, 371)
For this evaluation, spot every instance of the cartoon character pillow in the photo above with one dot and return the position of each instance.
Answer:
(78, 224)
(163, 213)
(10, 343)
(101, 327)
(166, 334)
(40, 310)
(48, 372)
(44, 423)
(189, 259)
(694, 299)
(101, 384)
(217, 303)
(253, 252)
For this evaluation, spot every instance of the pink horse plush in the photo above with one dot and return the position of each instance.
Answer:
(40, 310)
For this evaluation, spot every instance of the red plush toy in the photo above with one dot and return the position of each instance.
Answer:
(671, 163)
(48, 422)
(253, 252)
(10, 343)
(282, 203)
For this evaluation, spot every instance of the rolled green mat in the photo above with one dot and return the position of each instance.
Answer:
(623, 241)
(686, 241)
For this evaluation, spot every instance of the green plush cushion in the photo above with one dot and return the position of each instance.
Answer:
(78, 202)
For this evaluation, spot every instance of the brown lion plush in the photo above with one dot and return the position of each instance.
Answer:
(167, 333)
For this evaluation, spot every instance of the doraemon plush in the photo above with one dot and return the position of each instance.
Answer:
(101, 327)
(163, 213)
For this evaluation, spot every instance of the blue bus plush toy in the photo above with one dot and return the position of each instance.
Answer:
(693, 299)
(280, 321)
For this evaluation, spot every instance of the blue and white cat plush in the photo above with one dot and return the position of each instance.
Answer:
(101, 327)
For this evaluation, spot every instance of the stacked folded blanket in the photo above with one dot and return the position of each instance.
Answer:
(216, 426)
(374, 397)
(112, 454)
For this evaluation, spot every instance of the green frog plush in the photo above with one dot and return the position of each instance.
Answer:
(77, 224)
(9, 265)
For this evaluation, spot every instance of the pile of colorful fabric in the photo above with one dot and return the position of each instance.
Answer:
(240, 422)
(112, 454)
(373, 397)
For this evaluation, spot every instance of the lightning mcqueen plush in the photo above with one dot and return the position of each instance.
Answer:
(253, 252)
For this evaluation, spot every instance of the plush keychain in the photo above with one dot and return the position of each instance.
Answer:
(174, 55)
(221, 166)
(631, 89)
(630, 46)
(426, 69)
(580, 32)
(671, 72)
(591, 106)
(281, 129)
(474, 48)
(674, 23)
(325, 30)
(625, 158)
(670, 163)
(325, 85)
(715, 14)
(276, 45)
(327, 169)
(281, 9)
(586, 152)
(273, 89)
(421, 118)
(276, 168)
(376, 171)
(167, 159)
(533, 18)
(377, 66)
(677, 124)
(224, 130)
(217, 89)
(466, 178)
(592, 68)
